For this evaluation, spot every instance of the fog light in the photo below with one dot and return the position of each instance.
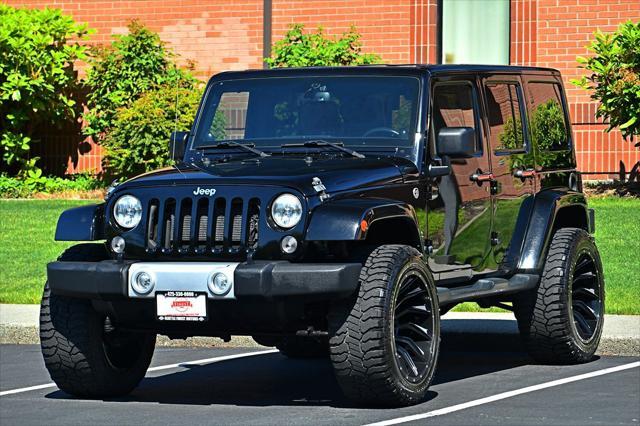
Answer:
(288, 244)
(219, 284)
(117, 245)
(143, 283)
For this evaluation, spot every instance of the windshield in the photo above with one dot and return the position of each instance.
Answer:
(362, 112)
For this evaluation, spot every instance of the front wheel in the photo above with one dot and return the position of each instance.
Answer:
(384, 344)
(85, 354)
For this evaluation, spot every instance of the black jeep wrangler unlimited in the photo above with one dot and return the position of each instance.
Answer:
(337, 212)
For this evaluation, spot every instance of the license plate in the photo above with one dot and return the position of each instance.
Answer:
(181, 306)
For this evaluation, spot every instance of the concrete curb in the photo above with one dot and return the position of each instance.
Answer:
(621, 334)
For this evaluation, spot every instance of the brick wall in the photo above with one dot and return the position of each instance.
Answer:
(227, 34)
(551, 33)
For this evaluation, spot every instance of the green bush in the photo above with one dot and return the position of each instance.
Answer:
(37, 77)
(615, 78)
(139, 137)
(134, 64)
(34, 183)
(301, 49)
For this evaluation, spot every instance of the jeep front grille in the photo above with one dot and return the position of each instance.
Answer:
(203, 225)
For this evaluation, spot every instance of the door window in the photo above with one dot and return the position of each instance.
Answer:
(504, 117)
(453, 107)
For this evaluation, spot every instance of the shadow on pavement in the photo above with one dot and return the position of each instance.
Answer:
(272, 379)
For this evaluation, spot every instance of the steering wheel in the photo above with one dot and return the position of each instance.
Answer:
(394, 133)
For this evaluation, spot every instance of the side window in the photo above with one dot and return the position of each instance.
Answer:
(546, 117)
(504, 117)
(453, 107)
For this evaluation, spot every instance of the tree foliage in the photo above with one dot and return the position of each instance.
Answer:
(38, 81)
(135, 63)
(303, 49)
(138, 138)
(614, 78)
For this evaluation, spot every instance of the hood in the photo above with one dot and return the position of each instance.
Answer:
(337, 173)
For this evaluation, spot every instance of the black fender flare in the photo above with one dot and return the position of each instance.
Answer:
(340, 220)
(549, 210)
(83, 223)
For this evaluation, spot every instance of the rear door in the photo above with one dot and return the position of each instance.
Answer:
(512, 160)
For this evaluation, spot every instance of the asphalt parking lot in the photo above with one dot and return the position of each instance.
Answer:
(480, 381)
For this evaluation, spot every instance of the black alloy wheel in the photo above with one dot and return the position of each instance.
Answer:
(413, 325)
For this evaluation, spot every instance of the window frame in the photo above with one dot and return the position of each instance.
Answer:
(523, 116)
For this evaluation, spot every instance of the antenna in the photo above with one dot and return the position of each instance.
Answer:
(175, 123)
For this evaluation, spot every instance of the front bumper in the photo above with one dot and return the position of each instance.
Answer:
(108, 280)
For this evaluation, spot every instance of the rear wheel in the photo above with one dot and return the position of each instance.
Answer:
(562, 321)
(85, 354)
(384, 344)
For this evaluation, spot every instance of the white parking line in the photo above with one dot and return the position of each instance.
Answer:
(504, 395)
(158, 368)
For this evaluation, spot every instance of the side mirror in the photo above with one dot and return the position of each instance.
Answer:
(456, 142)
(177, 145)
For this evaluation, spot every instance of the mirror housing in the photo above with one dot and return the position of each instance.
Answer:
(178, 145)
(456, 142)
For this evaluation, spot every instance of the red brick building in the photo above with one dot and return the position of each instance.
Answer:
(236, 34)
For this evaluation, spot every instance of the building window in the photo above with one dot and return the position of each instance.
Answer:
(475, 32)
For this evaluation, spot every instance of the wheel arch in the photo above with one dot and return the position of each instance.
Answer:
(382, 221)
(551, 210)
(84, 223)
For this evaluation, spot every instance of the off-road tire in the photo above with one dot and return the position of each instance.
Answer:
(545, 315)
(75, 345)
(303, 347)
(362, 343)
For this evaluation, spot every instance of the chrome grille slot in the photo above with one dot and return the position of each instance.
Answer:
(253, 221)
(200, 234)
(218, 214)
(169, 214)
(152, 225)
(236, 223)
(184, 235)
(202, 225)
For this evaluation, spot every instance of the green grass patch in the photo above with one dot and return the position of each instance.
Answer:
(27, 229)
(618, 239)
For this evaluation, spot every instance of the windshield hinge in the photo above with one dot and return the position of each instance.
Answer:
(319, 187)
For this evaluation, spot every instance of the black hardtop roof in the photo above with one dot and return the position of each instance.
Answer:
(378, 69)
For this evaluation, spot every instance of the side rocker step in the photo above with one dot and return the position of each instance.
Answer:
(487, 287)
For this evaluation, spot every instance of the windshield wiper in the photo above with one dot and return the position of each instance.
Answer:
(319, 143)
(232, 144)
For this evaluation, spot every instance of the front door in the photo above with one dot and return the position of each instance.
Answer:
(459, 213)
(512, 163)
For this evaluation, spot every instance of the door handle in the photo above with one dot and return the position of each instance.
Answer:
(525, 174)
(481, 177)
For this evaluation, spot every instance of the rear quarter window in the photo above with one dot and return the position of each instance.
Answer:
(547, 123)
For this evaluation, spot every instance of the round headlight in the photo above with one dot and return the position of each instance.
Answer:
(127, 211)
(286, 211)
